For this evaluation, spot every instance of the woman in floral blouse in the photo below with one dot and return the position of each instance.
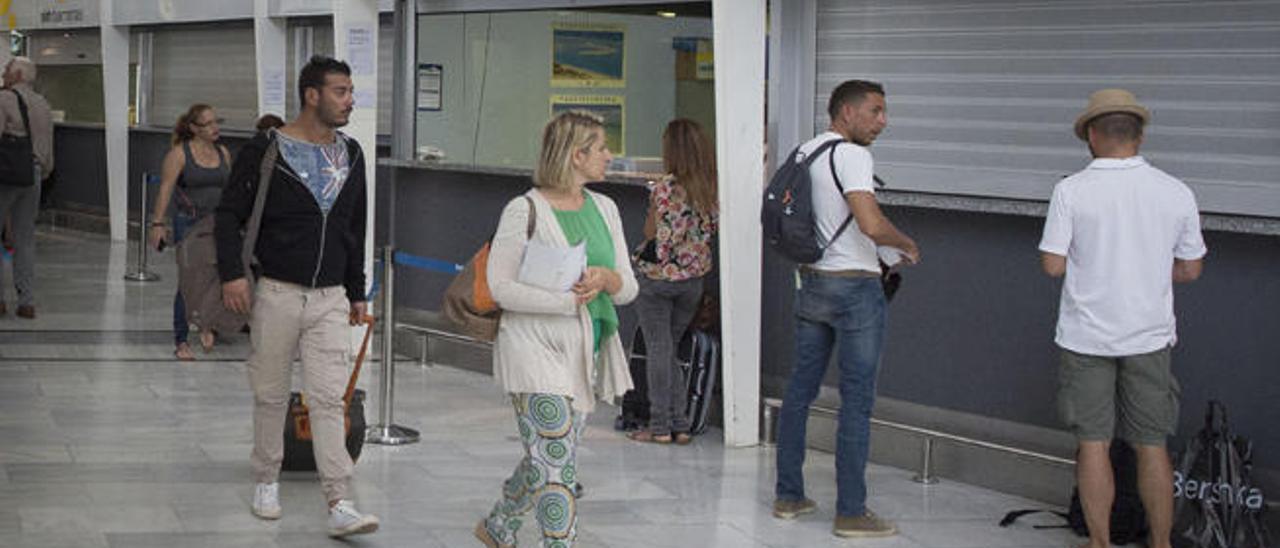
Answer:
(681, 222)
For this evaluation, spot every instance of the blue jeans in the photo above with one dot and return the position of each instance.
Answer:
(830, 309)
(181, 329)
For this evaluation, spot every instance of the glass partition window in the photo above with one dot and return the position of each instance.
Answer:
(487, 82)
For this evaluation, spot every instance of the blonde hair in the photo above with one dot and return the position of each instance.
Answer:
(687, 155)
(568, 132)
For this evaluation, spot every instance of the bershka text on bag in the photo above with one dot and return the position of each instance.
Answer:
(1214, 493)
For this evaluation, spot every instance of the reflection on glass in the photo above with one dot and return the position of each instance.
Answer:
(491, 80)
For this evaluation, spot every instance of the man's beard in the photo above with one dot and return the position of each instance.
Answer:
(333, 119)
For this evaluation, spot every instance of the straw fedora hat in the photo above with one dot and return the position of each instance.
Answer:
(1109, 101)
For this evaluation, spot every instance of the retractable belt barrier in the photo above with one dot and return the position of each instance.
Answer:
(427, 263)
(386, 432)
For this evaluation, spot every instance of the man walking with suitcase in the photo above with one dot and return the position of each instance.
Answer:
(841, 300)
(1122, 232)
(310, 248)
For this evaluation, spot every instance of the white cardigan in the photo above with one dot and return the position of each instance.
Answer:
(544, 342)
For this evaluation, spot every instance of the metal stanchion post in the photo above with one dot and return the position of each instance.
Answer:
(386, 432)
(769, 425)
(142, 274)
(926, 464)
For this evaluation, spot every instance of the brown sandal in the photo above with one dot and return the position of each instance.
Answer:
(682, 438)
(183, 353)
(646, 436)
(482, 534)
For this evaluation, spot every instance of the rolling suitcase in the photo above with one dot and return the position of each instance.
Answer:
(698, 357)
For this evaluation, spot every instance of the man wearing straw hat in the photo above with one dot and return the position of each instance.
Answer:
(1122, 232)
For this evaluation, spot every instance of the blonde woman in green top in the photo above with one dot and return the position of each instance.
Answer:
(557, 352)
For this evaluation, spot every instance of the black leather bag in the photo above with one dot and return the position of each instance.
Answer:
(299, 453)
(17, 157)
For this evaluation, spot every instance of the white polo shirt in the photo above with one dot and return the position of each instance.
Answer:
(853, 250)
(1120, 223)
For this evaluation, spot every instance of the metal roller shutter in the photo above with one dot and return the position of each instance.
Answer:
(982, 94)
(211, 65)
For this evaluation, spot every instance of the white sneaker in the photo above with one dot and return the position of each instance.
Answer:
(345, 520)
(266, 500)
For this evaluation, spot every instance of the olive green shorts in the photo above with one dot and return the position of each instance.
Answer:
(1134, 398)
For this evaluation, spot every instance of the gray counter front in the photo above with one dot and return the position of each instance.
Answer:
(971, 332)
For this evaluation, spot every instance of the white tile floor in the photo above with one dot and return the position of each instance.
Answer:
(106, 442)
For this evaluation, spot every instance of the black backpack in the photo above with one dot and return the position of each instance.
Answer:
(787, 214)
(1128, 517)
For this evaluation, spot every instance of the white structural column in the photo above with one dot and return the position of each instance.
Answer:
(792, 56)
(270, 41)
(739, 27)
(115, 98)
(355, 32)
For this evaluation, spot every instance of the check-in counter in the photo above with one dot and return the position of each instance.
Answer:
(970, 346)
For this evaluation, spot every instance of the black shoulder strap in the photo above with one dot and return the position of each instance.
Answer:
(808, 160)
(831, 161)
(1017, 514)
(22, 108)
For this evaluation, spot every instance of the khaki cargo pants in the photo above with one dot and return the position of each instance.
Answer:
(290, 319)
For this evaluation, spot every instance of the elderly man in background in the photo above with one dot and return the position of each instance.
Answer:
(20, 197)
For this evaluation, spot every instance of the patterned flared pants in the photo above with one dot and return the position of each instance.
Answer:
(545, 478)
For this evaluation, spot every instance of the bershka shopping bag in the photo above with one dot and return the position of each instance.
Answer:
(1215, 504)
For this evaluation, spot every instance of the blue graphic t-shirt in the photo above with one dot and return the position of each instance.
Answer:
(322, 168)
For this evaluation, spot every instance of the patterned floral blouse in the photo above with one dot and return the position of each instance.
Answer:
(683, 237)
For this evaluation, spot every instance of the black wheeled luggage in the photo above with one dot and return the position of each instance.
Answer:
(698, 356)
(299, 453)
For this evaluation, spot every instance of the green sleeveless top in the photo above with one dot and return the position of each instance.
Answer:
(587, 224)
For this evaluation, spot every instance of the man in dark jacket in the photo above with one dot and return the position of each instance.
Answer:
(310, 251)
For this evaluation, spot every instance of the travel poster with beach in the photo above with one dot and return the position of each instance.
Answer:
(611, 108)
(588, 55)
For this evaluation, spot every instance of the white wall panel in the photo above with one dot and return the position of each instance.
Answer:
(322, 29)
(982, 93)
(146, 12)
(53, 14)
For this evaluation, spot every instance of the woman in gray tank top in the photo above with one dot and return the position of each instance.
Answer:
(192, 177)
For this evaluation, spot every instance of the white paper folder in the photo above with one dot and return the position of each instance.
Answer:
(553, 268)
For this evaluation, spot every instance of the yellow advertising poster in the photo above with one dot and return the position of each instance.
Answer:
(611, 108)
(706, 60)
(588, 55)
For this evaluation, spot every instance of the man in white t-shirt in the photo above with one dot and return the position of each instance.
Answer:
(841, 300)
(1122, 232)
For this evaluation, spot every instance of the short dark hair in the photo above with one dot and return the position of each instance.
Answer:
(312, 75)
(851, 91)
(268, 121)
(1119, 126)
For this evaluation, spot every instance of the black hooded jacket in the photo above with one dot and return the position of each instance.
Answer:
(297, 242)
